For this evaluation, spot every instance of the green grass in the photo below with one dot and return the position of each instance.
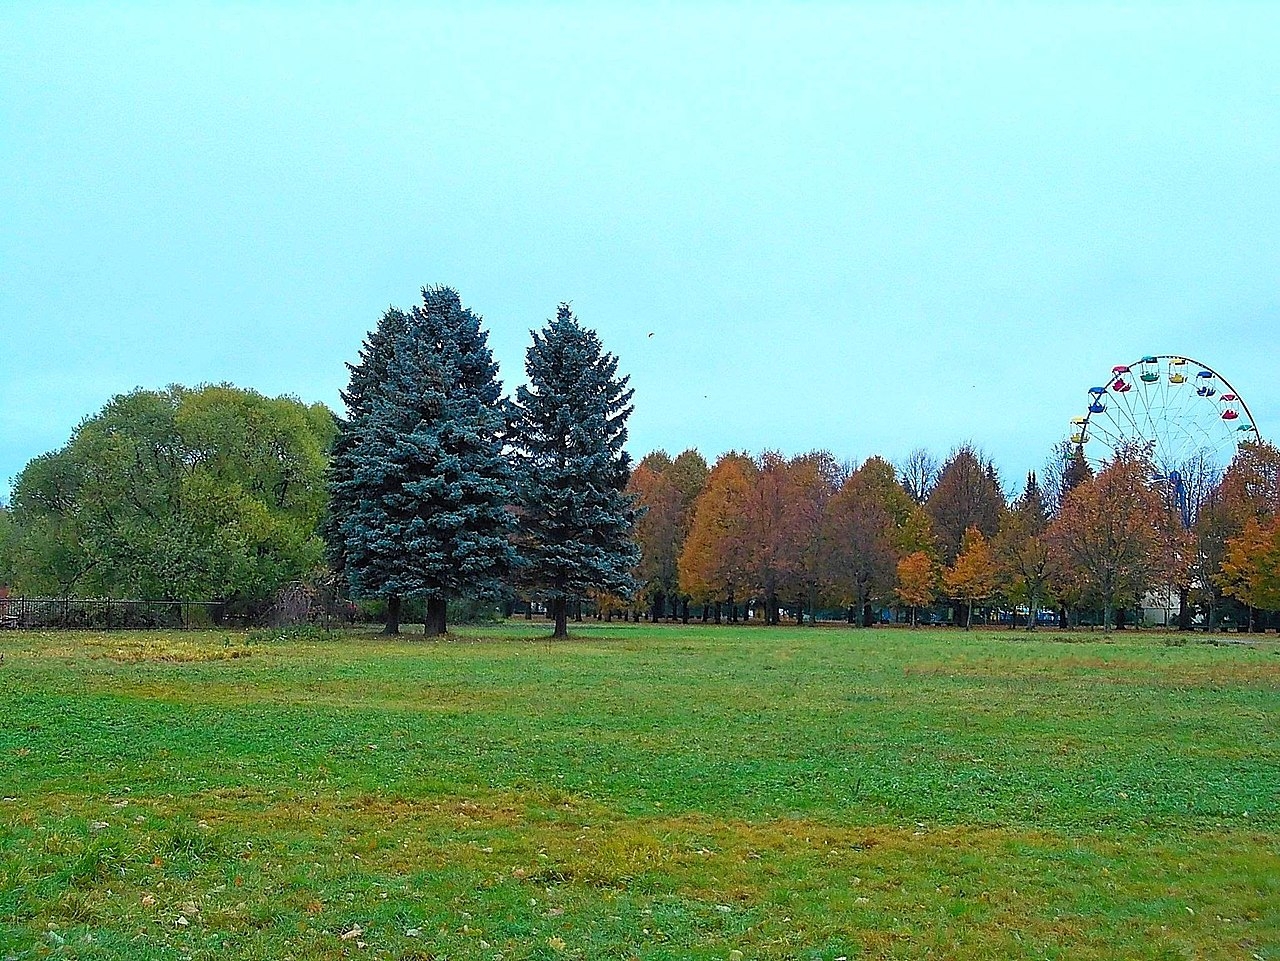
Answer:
(639, 792)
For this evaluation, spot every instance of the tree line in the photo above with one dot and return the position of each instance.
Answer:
(759, 535)
(436, 486)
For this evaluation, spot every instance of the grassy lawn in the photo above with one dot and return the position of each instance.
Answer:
(639, 792)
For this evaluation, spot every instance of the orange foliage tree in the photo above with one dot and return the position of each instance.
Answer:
(1115, 538)
(1251, 569)
(808, 483)
(715, 559)
(856, 544)
(1021, 549)
(966, 495)
(974, 576)
(917, 581)
(666, 489)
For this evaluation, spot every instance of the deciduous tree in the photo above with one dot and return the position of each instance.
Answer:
(974, 576)
(859, 559)
(1021, 549)
(918, 474)
(1251, 568)
(917, 581)
(716, 556)
(213, 492)
(1115, 538)
(967, 495)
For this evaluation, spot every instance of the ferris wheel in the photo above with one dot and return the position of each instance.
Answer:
(1176, 409)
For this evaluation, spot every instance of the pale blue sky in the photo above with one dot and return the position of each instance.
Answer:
(863, 227)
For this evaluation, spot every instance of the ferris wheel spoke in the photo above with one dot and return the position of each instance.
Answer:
(1180, 428)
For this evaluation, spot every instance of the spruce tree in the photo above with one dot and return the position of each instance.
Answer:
(420, 493)
(568, 430)
(345, 493)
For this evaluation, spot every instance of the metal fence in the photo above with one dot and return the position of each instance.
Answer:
(65, 613)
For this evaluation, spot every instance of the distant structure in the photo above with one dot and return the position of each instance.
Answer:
(1180, 413)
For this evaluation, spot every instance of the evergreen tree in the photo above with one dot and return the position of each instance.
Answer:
(421, 486)
(344, 493)
(568, 429)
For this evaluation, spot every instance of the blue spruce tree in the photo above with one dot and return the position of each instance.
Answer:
(568, 430)
(420, 486)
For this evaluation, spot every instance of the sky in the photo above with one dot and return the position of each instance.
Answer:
(861, 227)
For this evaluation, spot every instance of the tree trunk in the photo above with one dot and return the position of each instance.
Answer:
(1120, 621)
(717, 612)
(968, 615)
(558, 609)
(1184, 608)
(913, 616)
(851, 615)
(868, 616)
(577, 611)
(433, 622)
(1033, 610)
(684, 610)
(528, 610)
(393, 615)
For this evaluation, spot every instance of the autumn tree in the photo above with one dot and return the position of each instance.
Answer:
(918, 474)
(1021, 549)
(1251, 567)
(1249, 490)
(1115, 538)
(967, 495)
(857, 540)
(917, 581)
(657, 530)
(974, 576)
(665, 490)
(716, 555)
(769, 558)
(809, 481)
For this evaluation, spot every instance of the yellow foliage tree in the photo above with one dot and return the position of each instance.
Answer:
(917, 581)
(975, 576)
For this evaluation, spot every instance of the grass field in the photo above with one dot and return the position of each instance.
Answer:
(639, 792)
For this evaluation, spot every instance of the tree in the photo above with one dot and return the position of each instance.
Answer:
(212, 492)
(715, 558)
(808, 481)
(1249, 490)
(1064, 471)
(974, 576)
(1114, 538)
(423, 482)
(1021, 549)
(967, 495)
(857, 541)
(917, 581)
(657, 528)
(665, 491)
(568, 430)
(918, 474)
(1251, 568)
(6, 547)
